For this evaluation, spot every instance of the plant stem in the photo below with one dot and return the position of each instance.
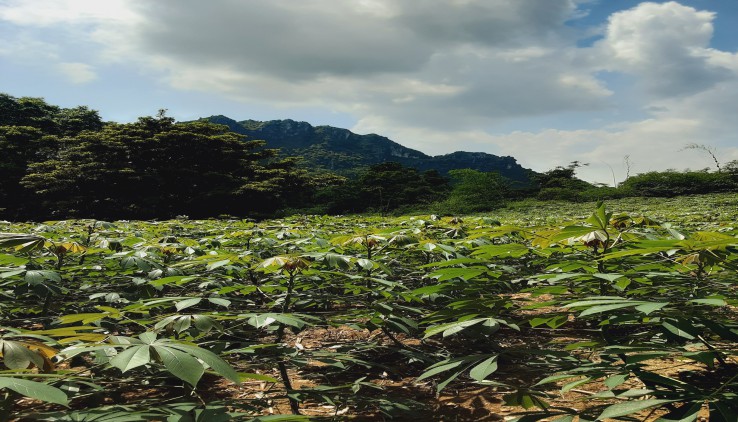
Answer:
(294, 404)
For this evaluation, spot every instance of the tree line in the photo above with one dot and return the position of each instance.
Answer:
(60, 162)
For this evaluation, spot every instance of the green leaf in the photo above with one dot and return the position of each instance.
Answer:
(708, 358)
(176, 279)
(335, 260)
(263, 320)
(220, 301)
(630, 407)
(555, 378)
(684, 413)
(721, 412)
(35, 390)
(182, 324)
(8, 274)
(441, 385)
(647, 308)
(524, 399)
(608, 277)
(581, 345)
(451, 273)
(203, 323)
(571, 232)
(27, 242)
(132, 357)
(484, 369)
(514, 250)
(39, 276)
(604, 308)
(184, 304)
(243, 376)
(615, 380)
(217, 264)
(180, 364)
(443, 366)
(713, 302)
(211, 359)
(452, 327)
(680, 328)
(18, 356)
(574, 384)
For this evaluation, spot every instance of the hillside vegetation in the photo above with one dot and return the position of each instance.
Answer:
(66, 162)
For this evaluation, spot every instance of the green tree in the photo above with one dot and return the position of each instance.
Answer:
(50, 119)
(20, 146)
(391, 185)
(561, 183)
(72, 121)
(675, 183)
(474, 190)
(158, 168)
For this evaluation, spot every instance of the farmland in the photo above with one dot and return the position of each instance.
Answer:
(542, 311)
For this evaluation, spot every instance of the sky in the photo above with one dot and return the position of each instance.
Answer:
(548, 82)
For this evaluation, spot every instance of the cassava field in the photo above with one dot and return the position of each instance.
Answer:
(542, 311)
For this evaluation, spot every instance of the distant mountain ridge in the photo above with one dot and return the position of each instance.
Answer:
(342, 151)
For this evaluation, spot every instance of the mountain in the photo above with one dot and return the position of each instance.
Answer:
(343, 152)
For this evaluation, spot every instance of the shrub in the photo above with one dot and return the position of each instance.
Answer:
(673, 183)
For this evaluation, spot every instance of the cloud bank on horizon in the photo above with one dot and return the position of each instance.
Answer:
(550, 84)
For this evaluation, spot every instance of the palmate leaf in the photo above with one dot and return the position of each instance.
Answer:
(445, 365)
(211, 359)
(264, 320)
(178, 358)
(21, 242)
(569, 232)
(35, 390)
(605, 304)
(21, 354)
(180, 364)
(483, 366)
(334, 260)
(484, 369)
(181, 323)
(133, 357)
(289, 263)
(17, 356)
(34, 277)
(600, 218)
(68, 247)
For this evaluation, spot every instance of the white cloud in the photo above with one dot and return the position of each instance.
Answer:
(435, 75)
(77, 73)
(45, 13)
(667, 46)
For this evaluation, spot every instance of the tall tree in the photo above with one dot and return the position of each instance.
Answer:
(20, 146)
(158, 168)
(474, 190)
